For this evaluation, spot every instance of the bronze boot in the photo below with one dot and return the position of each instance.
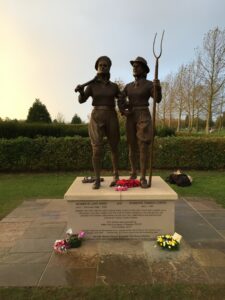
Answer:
(133, 175)
(96, 185)
(115, 178)
(144, 183)
(143, 164)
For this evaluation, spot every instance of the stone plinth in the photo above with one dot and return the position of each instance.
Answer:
(133, 214)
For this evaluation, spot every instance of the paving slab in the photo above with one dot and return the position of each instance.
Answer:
(121, 247)
(216, 275)
(89, 248)
(204, 204)
(11, 232)
(192, 225)
(216, 218)
(123, 269)
(44, 231)
(187, 271)
(33, 245)
(157, 254)
(20, 274)
(9, 219)
(28, 210)
(27, 257)
(204, 244)
(222, 232)
(70, 269)
(209, 257)
(4, 251)
(20, 258)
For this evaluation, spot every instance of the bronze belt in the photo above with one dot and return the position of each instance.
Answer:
(139, 107)
(104, 107)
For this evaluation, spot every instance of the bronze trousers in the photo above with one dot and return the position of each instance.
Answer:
(138, 130)
(104, 123)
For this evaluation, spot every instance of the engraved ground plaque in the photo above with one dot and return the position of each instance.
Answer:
(133, 214)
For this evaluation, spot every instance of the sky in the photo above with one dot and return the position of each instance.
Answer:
(48, 47)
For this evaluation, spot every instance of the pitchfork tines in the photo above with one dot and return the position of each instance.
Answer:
(158, 56)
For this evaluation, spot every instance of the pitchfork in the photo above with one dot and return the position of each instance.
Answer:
(154, 105)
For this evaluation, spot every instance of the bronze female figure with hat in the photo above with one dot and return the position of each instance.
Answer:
(138, 117)
(104, 120)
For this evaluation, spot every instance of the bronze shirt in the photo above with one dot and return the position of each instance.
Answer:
(139, 92)
(103, 94)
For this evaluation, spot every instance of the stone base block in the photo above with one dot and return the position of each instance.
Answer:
(134, 214)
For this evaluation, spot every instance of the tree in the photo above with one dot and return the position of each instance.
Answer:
(212, 68)
(180, 94)
(120, 83)
(76, 120)
(165, 109)
(194, 96)
(60, 119)
(38, 113)
(220, 122)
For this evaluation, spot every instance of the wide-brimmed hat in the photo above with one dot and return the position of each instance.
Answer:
(141, 60)
(106, 58)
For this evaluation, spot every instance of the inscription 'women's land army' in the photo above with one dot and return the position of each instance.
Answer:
(133, 103)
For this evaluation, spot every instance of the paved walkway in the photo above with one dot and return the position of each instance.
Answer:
(27, 259)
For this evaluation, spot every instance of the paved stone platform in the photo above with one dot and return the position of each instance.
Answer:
(27, 258)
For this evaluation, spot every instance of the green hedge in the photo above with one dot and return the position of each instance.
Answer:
(74, 153)
(11, 130)
(190, 153)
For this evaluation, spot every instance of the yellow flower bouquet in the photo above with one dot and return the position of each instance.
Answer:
(170, 242)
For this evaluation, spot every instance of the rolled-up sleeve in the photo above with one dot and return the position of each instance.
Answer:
(85, 95)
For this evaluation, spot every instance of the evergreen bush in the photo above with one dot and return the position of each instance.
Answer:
(165, 131)
(11, 130)
(74, 153)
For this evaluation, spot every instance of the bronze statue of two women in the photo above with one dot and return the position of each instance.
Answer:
(133, 103)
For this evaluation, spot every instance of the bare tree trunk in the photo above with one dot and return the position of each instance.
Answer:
(179, 121)
(221, 115)
(197, 121)
(209, 116)
(192, 113)
(170, 113)
(212, 65)
(164, 114)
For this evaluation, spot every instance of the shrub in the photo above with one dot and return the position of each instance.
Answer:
(165, 131)
(11, 130)
(74, 153)
(190, 152)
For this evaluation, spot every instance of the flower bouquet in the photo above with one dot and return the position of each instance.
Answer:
(72, 240)
(60, 246)
(170, 242)
(124, 184)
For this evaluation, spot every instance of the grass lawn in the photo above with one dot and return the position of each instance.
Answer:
(145, 292)
(205, 184)
(15, 188)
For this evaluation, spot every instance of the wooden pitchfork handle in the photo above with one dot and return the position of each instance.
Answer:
(154, 107)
